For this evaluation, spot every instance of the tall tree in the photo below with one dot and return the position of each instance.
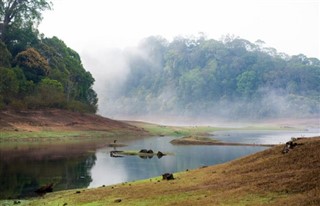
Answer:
(20, 12)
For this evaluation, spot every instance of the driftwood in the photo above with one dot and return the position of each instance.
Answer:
(143, 153)
(114, 153)
(45, 189)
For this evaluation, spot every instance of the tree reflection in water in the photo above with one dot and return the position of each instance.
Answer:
(24, 169)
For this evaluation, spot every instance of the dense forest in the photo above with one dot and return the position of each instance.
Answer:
(38, 72)
(232, 77)
(204, 77)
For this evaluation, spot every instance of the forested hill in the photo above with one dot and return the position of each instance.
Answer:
(46, 74)
(38, 72)
(231, 78)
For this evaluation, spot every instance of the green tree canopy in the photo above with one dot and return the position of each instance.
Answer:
(20, 13)
(34, 65)
(9, 85)
(232, 77)
(247, 83)
(46, 73)
(5, 56)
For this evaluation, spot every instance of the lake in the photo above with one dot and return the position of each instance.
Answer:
(264, 136)
(24, 168)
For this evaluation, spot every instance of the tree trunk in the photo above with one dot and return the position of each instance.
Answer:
(9, 13)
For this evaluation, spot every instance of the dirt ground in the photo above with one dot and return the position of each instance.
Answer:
(61, 120)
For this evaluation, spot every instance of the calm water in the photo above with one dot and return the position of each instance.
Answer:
(264, 137)
(25, 168)
(184, 157)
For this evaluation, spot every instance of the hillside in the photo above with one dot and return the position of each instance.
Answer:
(231, 78)
(61, 120)
(37, 72)
(266, 178)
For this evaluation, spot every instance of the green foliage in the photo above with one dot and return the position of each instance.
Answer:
(5, 56)
(247, 83)
(51, 84)
(80, 107)
(46, 73)
(9, 85)
(19, 13)
(191, 85)
(232, 77)
(21, 38)
(26, 87)
(66, 67)
(34, 65)
(49, 94)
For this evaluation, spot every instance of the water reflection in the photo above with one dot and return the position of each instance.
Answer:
(108, 170)
(264, 137)
(25, 169)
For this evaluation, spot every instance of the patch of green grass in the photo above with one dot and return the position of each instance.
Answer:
(159, 130)
(12, 202)
(57, 135)
(12, 139)
(38, 134)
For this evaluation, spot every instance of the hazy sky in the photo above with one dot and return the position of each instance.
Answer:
(290, 26)
(99, 30)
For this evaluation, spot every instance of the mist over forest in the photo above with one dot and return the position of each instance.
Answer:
(231, 78)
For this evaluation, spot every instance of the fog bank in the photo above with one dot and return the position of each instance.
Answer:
(196, 79)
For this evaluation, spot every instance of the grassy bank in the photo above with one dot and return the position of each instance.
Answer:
(146, 129)
(134, 130)
(164, 130)
(60, 125)
(266, 178)
(158, 130)
(56, 135)
(194, 140)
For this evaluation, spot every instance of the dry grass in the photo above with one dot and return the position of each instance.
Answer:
(266, 178)
(60, 120)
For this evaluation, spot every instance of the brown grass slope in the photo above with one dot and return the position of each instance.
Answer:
(62, 120)
(266, 178)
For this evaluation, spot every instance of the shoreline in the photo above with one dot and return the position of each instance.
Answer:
(196, 140)
(254, 179)
(222, 144)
